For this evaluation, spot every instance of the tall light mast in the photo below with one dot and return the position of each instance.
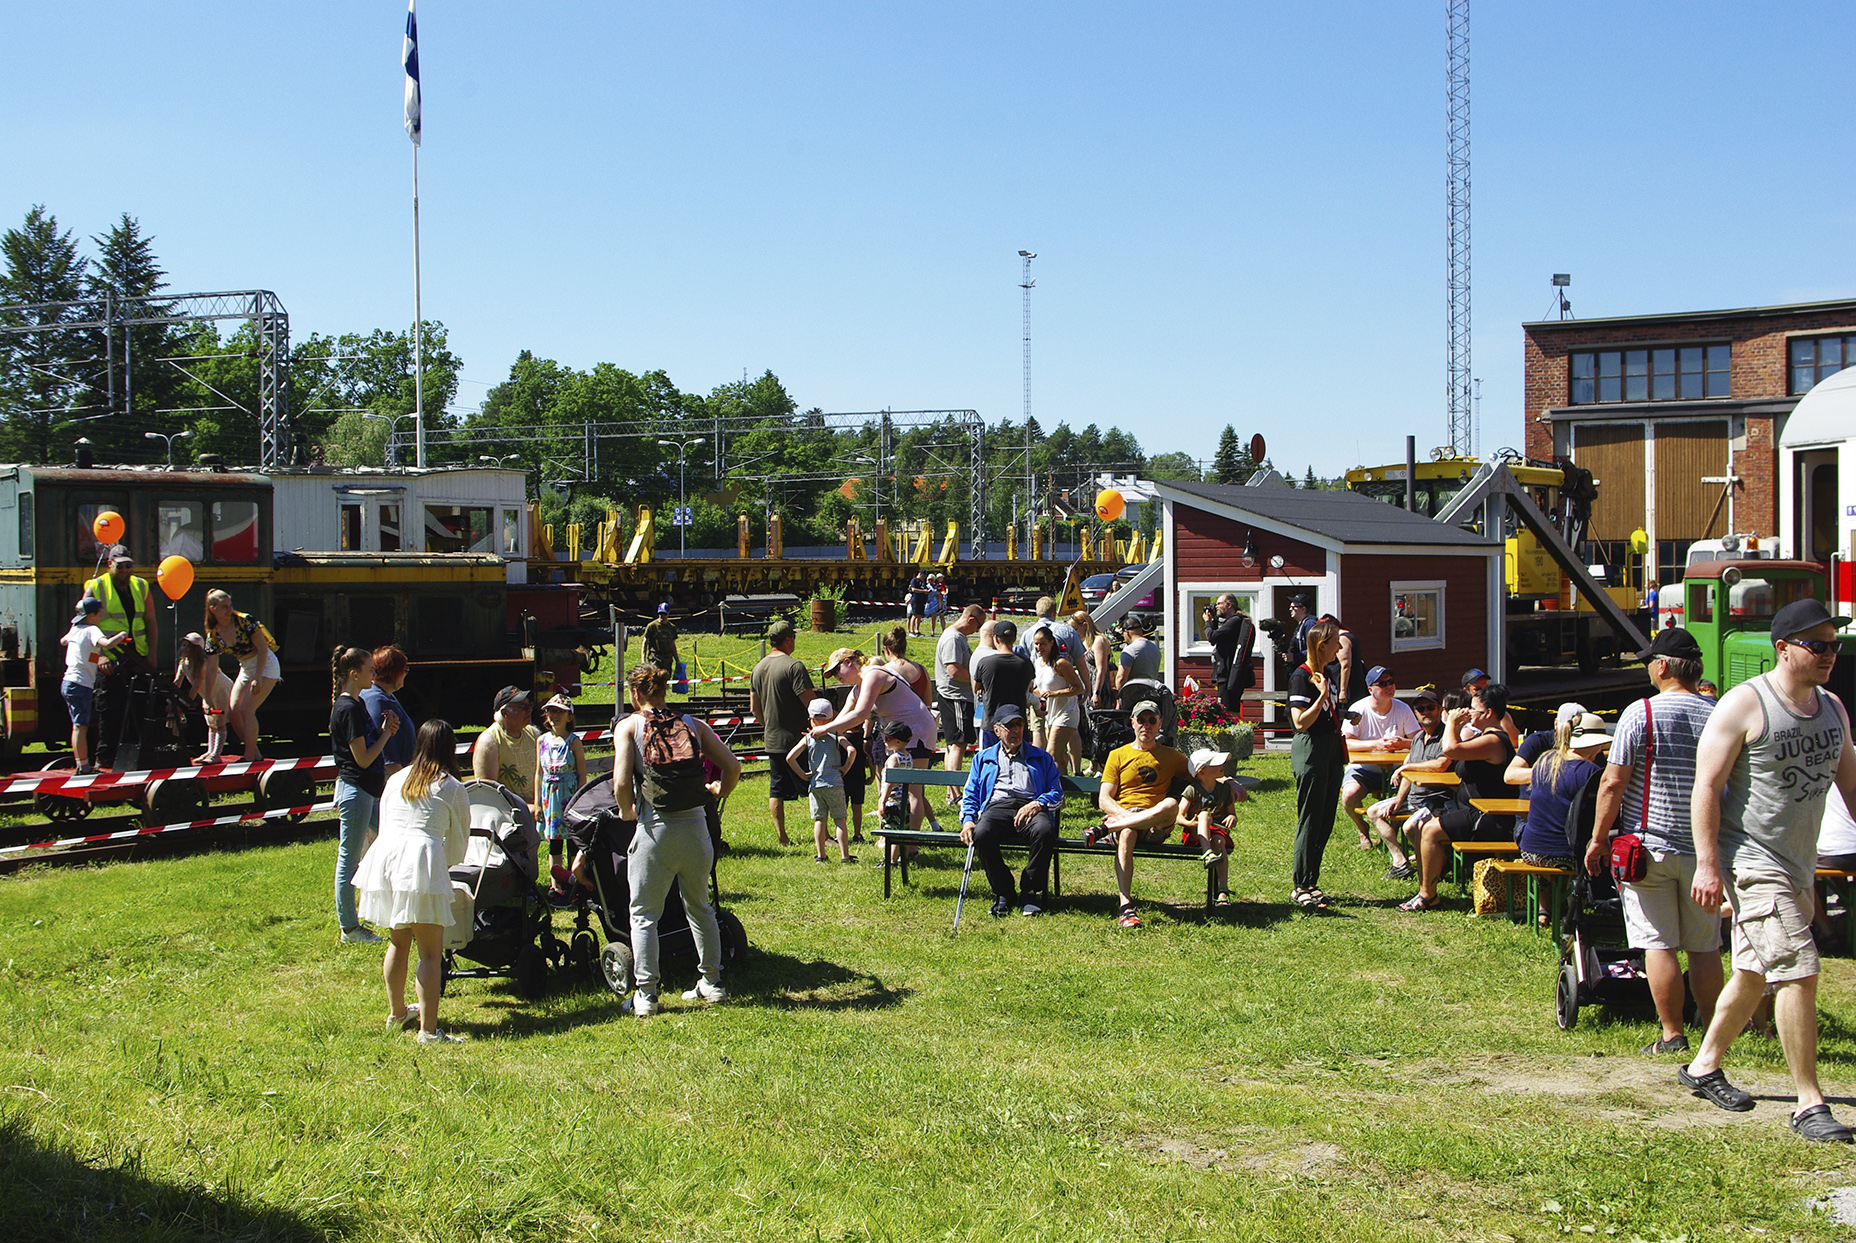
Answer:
(1026, 283)
(1459, 402)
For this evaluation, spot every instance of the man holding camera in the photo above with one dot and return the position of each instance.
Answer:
(1233, 637)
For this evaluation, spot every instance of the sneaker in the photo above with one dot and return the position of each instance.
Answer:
(1097, 833)
(1714, 1088)
(848, 859)
(707, 993)
(358, 935)
(642, 1006)
(405, 1022)
(1001, 907)
(559, 875)
(1818, 1125)
(437, 1035)
(1127, 918)
(1677, 1043)
(1030, 909)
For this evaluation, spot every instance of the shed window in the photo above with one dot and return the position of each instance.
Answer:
(1417, 615)
(351, 527)
(1195, 600)
(458, 528)
(512, 533)
(390, 526)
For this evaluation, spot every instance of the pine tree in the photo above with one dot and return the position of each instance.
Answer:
(1227, 463)
(1309, 481)
(42, 371)
(141, 385)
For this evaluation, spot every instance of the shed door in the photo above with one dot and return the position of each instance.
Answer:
(1686, 453)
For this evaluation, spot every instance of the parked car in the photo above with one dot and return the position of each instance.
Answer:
(1098, 587)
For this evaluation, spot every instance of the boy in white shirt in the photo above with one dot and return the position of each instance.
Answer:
(1387, 723)
(83, 648)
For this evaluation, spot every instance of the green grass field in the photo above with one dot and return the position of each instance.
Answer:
(191, 1054)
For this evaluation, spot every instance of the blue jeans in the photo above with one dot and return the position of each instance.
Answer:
(359, 811)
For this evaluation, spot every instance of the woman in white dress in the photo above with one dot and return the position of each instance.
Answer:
(405, 879)
(1062, 689)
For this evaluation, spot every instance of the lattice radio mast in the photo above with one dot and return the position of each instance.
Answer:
(1026, 283)
(1459, 403)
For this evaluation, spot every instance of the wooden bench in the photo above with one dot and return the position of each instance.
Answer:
(1463, 856)
(1087, 787)
(1534, 874)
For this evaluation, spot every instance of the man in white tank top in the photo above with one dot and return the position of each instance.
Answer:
(1769, 756)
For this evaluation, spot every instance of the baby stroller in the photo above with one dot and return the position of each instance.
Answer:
(593, 826)
(1114, 727)
(501, 923)
(1597, 965)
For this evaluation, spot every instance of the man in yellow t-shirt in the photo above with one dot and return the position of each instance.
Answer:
(1141, 784)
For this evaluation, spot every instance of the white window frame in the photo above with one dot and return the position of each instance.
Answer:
(1248, 595)
(1410, 587)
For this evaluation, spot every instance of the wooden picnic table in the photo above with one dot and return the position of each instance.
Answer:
(1371, 754)
(1500, 806)
(1434, 779)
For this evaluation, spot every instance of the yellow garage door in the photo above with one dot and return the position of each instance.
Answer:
(1686, 453)
(1613, 452)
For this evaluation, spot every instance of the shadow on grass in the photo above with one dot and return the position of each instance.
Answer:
(47, 1193)
(771, 979)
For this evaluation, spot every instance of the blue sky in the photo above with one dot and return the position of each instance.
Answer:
(1238, 210)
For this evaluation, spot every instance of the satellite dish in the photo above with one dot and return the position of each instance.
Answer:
(1256, 447)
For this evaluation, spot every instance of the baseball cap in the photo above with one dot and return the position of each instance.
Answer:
(1203, 756)
(85, 607)
(1133, 622)
(899, 730)
(819, 709)
(1004, 713)
(663, 606)
(119, 552)
(1425, 694)
(1146, 705)
(1474, 675)
(1675, 642)
(1378, 674)
(509, 695)
(560, 703)
(1802, 615)
(1302, 601)
(778, 629)
(1568, 712)
(1591, 731)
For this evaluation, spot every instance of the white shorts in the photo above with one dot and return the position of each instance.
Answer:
(1660, 912)
(255, 666)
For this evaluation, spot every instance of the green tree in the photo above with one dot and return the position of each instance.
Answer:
(138, 383)
(1229, 461)
(1173, 466)
(45, 370)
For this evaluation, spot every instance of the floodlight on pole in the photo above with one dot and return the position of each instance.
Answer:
(393, 422)
(683, 450)
(170, 439)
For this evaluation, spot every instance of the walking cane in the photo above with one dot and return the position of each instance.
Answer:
(966, 874)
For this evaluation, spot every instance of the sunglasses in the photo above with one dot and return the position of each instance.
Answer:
(1387, 682)
(1147, 718)
(1817, 647)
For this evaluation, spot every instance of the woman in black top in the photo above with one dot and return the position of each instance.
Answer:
(1318, 756)
(1481, 761)
(360, 776)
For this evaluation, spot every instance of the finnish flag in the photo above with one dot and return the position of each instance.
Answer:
(409, 56)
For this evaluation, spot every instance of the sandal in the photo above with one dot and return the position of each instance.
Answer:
(1401, 871)
(1304, 898)
(1417, 903)
(1322, 901)
(1714, 1088)
(1127, 918)
(1223, 899)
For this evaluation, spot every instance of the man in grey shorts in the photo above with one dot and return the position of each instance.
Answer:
(1768, 758)
(1661, 917)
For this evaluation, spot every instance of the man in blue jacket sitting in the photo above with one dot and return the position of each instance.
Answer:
(1013, 794)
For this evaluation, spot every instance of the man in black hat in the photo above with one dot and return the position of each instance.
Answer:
(1774, 749)
(1302, 617)
(1646, 791)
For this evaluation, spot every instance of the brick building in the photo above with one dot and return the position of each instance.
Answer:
(1665, 409)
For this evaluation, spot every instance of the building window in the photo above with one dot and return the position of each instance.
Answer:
(351, 527)
(390, 526)
(1666, 373)
(512, 533)
(1198, 597)
(458, 528)
(180, 526)
(1815, 358)
(1417, 615)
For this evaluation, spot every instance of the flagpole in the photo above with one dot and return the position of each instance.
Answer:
(418, 327)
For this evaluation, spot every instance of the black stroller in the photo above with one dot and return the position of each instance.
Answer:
(501, 923)
(1597, 965)
(593, 826)
(1114, 727)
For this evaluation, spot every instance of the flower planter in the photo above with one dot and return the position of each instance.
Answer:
(1238, 739)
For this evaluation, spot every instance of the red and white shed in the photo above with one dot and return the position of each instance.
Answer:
(1422, 597)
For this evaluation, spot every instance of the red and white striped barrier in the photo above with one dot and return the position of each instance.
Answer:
(123, 835)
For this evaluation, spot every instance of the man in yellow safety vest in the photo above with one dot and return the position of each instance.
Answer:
(128, 606)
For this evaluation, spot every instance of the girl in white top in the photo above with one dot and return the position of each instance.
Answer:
(198, 671)
(404, 881)
(1062, 689)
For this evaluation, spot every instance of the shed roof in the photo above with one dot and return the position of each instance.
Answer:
(1336, 518)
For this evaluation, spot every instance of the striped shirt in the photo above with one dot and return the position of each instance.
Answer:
(1678, 717)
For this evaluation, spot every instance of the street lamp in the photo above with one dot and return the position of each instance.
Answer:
(393, 431)
(170, 442)
(876, 484)
(683, 451)
(497, 461)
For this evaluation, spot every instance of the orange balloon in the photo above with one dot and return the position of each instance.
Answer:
(1109, 504)
(107, 527)
(175, 574)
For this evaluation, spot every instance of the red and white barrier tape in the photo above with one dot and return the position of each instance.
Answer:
(66, 780)
(123, 835)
